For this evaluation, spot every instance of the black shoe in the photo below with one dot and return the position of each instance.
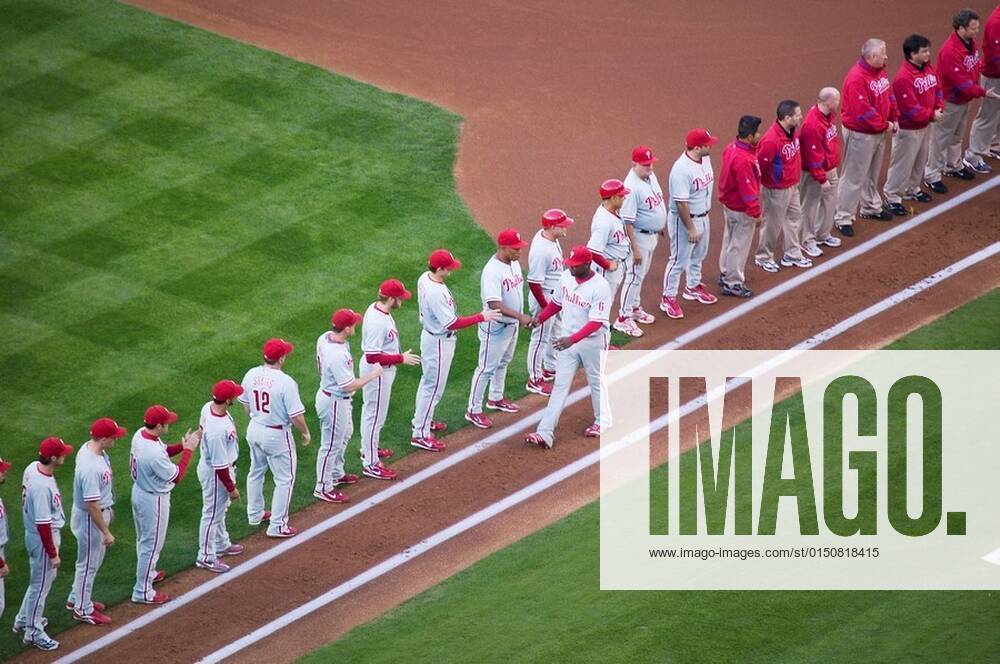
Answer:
(738, 290)
(922, 197)
(846, 231)
(962, 174)
(722, 281)
(937, 187)
(881, 215)
(896, 208)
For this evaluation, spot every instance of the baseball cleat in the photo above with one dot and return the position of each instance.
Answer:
(266, 517)
(385, 453)
(539, 387)
(548, 376)
(627, 326)
(643, 317)
(593, 431)
(536, 440)
(961, 174)
(232, 550)
(503, 404)
(937, 187)
(479, 420)
(766, 265)
(17, 629)
(331, 496)
(285, 533)
(736, 290)
(847, 230)
(379, 472)
(978, 166)
(431, 444)
(43, 642)
(669, 306)
(348, 478)
(160, 576)
(158, 598)
(994, 153)
(831, 242)
(788, 261)
(812, 250)
(920, 197)
(881, 215)
(438, 426)
(98, 606)
(699, 294)
(896, 208)
(212, 566)
(95, 618)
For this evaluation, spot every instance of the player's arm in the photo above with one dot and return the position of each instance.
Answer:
(296, 411)
(748, 187)
(598, 244)
(680, 187)
(538, 265)
(813, 154)
(91, 485)
(497, 305)
(42, 507)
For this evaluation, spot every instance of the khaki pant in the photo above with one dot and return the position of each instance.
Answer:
(818, 207)
(906, 166)
(946, 142)
(736, 238)
(782, 214)
(987, 122)
(859, 170)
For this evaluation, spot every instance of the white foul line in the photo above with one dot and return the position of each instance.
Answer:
(512, 429)
(567, 471)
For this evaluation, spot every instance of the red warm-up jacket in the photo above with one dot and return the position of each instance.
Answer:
(820, 142)
(958, 65)
(868, 102)
(739, 180)
(918, 94)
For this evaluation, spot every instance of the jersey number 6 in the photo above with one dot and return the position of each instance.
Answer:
(262, 400)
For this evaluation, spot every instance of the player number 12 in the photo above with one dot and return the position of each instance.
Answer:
(262, 400)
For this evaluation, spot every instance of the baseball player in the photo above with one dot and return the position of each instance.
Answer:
(545, 268)
(691, 181)
(217, 475)
(90, 518)
(986, 126)
(501, 288)
(739, 193)
(645, 217)
(337, 385)
(585, 302)
(610, 246)
(380, 346)
(780, 157)
(271, 399)
(154, 477)
(819, 141)
(4, 535)
(440, 323)
(43, 519)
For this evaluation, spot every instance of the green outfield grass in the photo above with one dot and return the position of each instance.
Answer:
(170, 199)
(538, 600)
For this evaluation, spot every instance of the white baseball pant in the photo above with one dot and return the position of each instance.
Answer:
(42, 574)
(151, 514)
(436, 354)
(336, 422)
(541, 353)
(90, 552)
(636, 274)
(586, 352)
(615, 277)
(213, 536)
(374, 409)
(271, 449)
(497, 342)
(3, 596)
(685, 256)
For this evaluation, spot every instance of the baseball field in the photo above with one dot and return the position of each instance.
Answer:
(178, 185)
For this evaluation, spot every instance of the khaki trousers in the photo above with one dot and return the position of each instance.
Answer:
(907, 163)
(946, 142)
(818, 206)
(987, 123)
(782, 214)
(736, 238)
(859, 170)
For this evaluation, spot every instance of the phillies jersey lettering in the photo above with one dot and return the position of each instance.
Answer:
(504, 283)
(336, 365)
(644, 206)
(924, 83)
(691, 182)
(583, 302)
(607, 235)
(878, 86)
(272, 396)
(545, 262)
(219, 447)
(42, 500)
(436, 305)
(378, 332)
(92, 479)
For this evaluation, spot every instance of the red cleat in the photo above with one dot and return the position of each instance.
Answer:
(700, 294)
(548, 376)
(539, 387)
(431, 444)
(593, 431)
(669, 306)
(331, 496)
(438, 426)
(285, 534)
(503, 404)
(232, 550)
(95, 618)
(98, 606)
(349, 478)
(384, 453)
(379, 472)
(158, 598)
(160, 576)
(536, 440)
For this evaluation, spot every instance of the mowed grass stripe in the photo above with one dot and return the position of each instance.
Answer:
(169, 200)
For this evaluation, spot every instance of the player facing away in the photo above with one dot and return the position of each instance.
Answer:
(440, 322)
(154, 477)
(90, 518)
(380, 346)
(610, 246)
(217, 475)
(502, 288)
(691, 182)
(645, 217)
(5, 467)
(585, 302)
(337, 386)
(43, 519)
(545, 268)
(271, 399)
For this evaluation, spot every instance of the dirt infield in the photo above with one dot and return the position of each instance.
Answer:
(553, 101)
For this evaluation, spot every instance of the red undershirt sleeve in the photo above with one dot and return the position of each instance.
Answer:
(225, 477)
(550, 310)
(174, 450)
(385, 359)
(45, 534)
(539, 293)
(585, 331)
(182, 466)
(602, 261)
(466, 321)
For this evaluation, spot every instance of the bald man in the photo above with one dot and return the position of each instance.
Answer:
(820, 142)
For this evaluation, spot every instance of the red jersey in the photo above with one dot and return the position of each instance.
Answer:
(780, 159)
(739, 180)
(820, 143)
(869, 104)
(958, 66)
(918, 94)
(991, 45)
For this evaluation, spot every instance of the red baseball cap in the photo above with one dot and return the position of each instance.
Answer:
(643, 156)
(509, 237)
(345, 318)
(275, 349)
(698, 137)
(54, 447)
(578, 255)
(158, 415)
(442, 259)
(556, 218)
(5, 466)
(394, 288)
(106, 427)
(611, 188)
(225, 390)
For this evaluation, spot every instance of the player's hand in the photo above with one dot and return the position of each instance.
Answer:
(613, 265)
(826, 185)
(409, 358)
(55, 561)
(938, 114)
(693, 235)
(191, 440)
(307, 437)
(636, 256)
(107, 538)
(234, 494)
(4, 571)
(757, 221)
(376, 371)
(562, 343)
(525, 320)
(894, 126)
(491, 315)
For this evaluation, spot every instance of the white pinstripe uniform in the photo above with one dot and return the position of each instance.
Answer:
(219, 451)
(545, 267)
(437, 349)
(92, 482)
(644, 210)
(378, 335)
(500, 282)
(153, 475)
(333, 407)
(608, 238)
(272, 397)
(691, 182)
(4, 536)
(42, 504)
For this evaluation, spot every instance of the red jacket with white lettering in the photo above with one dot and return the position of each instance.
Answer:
(869, 104)
(958, 66)
(991, 45)
(820, 142)
(780, 159)
(739, 180)
(918, 93)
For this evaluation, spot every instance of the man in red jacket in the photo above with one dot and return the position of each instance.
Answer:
(739, 193)
(820, 159)
(958, 65)
(869, 112)
(920, 101)
(986, 126)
